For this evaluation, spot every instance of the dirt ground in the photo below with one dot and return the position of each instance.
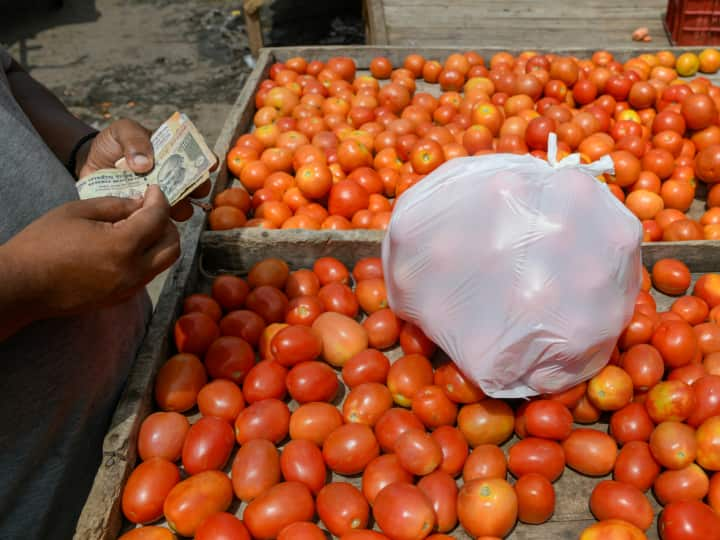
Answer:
(144, 59)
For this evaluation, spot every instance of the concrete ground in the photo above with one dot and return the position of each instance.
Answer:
(144, 59)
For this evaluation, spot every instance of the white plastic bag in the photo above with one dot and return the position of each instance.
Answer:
(524, 272)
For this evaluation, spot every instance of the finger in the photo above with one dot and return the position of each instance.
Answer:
(182, 211)
(134, 140)
(107, 209)
(163, 254)
(146, 226)
(202, 190)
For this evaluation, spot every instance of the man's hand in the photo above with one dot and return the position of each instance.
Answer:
(126, 138)
(86, 254)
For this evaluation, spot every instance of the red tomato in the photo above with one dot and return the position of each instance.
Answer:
(302, 282)
(490, 421)
(714, 492)
(222, 399)
(414, 341)
(454, 449)
(707, 399)
(485, 461)
(644, 365)
(267, 419)
(178, 382)
(676, 342)
(686, 484)
(441, 490)
(380, 472)
(590, 452)
(147, 488)
(403, 512)
(230, 291)
(533, 455)
(688, 520)
(312, 381)
(394, 423)
(487, 507)
(203, 303)
(673, 445)
(339, 298)
(670, 400)
(636, 465)
(548, 419)
(207, 445)
(278, 507)
(269, 302)
(631, 423)
(149, 533)
(456, 385)
(383, 328)
(265, 380)
(708, 444)
(366, 403)
(243, 324)
(418, 452)
(371, 295)
(671, 276)
(367, 366)
(432, 406)
(407, 376)
(302, 461)
(612, 528)
(195, 499)
(349, 448)
(708, 337)
(342, 337)
(304, 310)
(295, 344)
(342, 508)
(614, 500)
(301, 530)
(162, 434)
(222, 526)
(229, 357)
(611, 389)
(314, 422)
(536, 498)
(368, 268)
(255, 469)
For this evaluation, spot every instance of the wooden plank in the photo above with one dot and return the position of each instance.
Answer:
(254, 31)
(511, 14)
(377, 29)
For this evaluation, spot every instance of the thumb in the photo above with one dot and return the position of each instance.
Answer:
(107, 209)
(134, 141)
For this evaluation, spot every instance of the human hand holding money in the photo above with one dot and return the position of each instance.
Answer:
(182, 164)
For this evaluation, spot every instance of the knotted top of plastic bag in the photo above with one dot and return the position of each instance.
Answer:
(523, 271)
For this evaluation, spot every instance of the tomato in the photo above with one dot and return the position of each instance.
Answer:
(312, 381)
(230, 291)
(456, 385)
(691, 308)
(490, 421)
(635, 465)
(314, 422)
(707, 287)
(178, 382)
(266, 419)
(383, 329)
(349, 448)
(403, 512)
(339, 298)
(612, 529)
(611, 389)
(207, 445)
(244, 324)
(548, 419)
(407, 376)
(368, 268)
(255, 468)
(222, 526)
(302, 461)
(266, 380)
(433, 407)
(149, 533)
(673, 445)
(194, 332)
(533, 455)
(614, 500)
(671, 276)
(363, 534)
(366, 403)
(686, 484)
(536, 498)
(707, 399)
(302, 282)
(342, 337)
(454, 449)
(278, 507)
(303, 310)
(271, 271)
(585, 412)
(418, 452)
(393, 423)
(414, 341)
(714, 492)
(708, 444)
(229, 357)
(195, 499)
(146, 489)
(441, 490)
(204, 304)
(383, 471)
(708, 337)
(631, 423)
(699, 111)
(707, 164)
(485, 461)
(639, 330)
(371, 294)
(487, 507)
(162, 435)
(342, 508)
(676, 342)
(590, 452)
(644, 365)
(301, 530)
(269, 302)
(295, 344)
(688, 520)
(670, 400)
(367, 366)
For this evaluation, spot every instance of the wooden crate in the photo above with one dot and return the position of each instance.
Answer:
(236, 252)
(521, 23)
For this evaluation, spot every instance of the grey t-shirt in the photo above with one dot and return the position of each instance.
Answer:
(60, 378)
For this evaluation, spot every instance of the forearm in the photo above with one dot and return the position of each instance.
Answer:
(17, 307)
(59, 128)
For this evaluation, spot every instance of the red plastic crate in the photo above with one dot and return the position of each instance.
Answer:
(693, 22)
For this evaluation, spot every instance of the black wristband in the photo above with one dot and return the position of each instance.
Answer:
(72, 160)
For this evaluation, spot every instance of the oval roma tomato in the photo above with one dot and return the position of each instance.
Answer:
(367, 366)
(255, 469)
(418, 452)
(614, 500)
(670, 400)
(456, 385)
(676, 342)
(635, 465)
(490, 421)
(312, 381)
(342, 337)
(278, 507)
(195, 499)
(536, 498)
(403, 512)
(441, 490)
(534, 455)
(302, 461)
(548, 419)
(673, 445)
(149, 533)
(380, 472)
(342, 508)
(612, 528)
(671, 276)
(686, 484)
(162, 434)
(688, 520)
(207, 445)
(222, 399)
(407, 375)
(708, 444)
(222, 526)
(366, 403)
(267, 419)
(178, 382)
(147, 488)
(349, 448)
(487, 507)
(590, 452)
(611, 389)
(485, 461)
(301, 530)
(631, 423)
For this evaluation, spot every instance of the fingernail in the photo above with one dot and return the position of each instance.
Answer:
(141, 160)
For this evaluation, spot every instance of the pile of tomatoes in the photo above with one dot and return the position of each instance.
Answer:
(333, 149)
(288, 366)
